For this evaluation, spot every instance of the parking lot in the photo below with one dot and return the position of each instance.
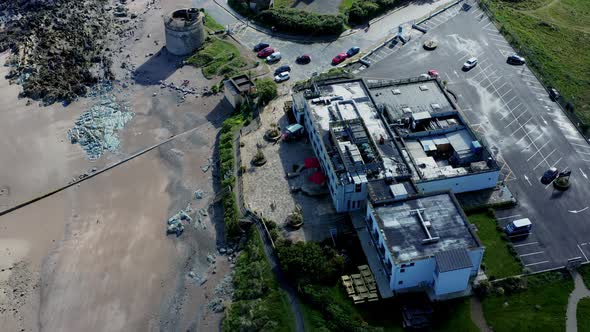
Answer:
(527, 132)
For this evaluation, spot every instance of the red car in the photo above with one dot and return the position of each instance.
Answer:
(433, 73)
(266, 52)
(339, 58)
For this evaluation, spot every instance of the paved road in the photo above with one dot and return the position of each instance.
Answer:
(321, 52)
(526, 131)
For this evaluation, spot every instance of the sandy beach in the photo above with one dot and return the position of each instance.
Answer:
(95, 257)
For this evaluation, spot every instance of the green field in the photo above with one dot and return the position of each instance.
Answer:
(583, 315)
(212, 24)
(554, 36)
(499, 263)
(258, 303)
(540, 307)
(218, 57)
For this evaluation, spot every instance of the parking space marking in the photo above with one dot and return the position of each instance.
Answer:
(536, 263)
(545, 160)
(513, 216)
(524, 244)
(516, 118)
(584, 146)
(538, 150)
(582, 251)
(557, 162)
(531, 143)
(583, 152)
(533, 253)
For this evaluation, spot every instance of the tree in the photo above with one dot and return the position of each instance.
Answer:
(266, 90)
(307, 262)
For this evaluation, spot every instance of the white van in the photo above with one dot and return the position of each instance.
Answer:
(519, 227)
(276, 56)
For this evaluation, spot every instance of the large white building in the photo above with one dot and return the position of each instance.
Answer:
(407, 130)
(420, 244)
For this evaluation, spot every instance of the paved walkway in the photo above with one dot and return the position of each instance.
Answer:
(580, 291)
(321, 50)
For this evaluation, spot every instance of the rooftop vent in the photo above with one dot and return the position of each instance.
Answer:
(396, 91)
(426, 226)
(423, 88)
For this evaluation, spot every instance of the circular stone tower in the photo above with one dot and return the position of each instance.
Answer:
(185, 30)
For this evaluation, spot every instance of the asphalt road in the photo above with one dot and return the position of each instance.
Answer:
(527, 132)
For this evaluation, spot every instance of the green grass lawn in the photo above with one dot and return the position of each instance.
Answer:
(554, 37)
(258, 302)
(283, 3)
(585, 272)
(540, 307)
(212, 24)
(497, 259)
(344, 6)
(218, 57)
(583, 315)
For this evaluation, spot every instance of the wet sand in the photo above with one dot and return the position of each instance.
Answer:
(95, 257)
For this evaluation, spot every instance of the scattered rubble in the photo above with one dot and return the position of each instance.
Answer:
(198, 194)
(59, 47)
(175, 225)
(223, 292)
(96, 129)
(208, 165)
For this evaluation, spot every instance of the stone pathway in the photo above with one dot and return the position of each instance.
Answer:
(477, 315)
(580, 291)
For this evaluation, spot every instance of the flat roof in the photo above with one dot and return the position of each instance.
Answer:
(349, 100)
(423, 226)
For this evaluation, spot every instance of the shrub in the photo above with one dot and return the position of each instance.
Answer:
(307, 262)
(483, 289)
(266, 90)
(364, 10)
(302, 22)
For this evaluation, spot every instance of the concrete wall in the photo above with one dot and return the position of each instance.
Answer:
(476, 256)
(418, 275)
(451, 281)
(460, 184)
(184, 40)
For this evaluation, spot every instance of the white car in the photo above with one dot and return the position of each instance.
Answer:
(282, 77)
(470, 63)
(276, 56)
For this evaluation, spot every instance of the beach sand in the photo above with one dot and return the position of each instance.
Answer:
(95, 256)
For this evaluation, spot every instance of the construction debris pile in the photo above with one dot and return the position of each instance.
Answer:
(59, 47)
(223, 292)
(96, 129)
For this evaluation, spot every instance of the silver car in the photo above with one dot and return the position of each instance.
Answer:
(470, 63)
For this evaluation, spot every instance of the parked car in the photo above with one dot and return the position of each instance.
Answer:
(260, 46)
(519, 227)
(515, 60)
(469, 64)
(553, 93)
(303, 59)
(549, 175)
(433, 73)
(266, 52)
(276, 56)
(353, 51)
(282, 77)
(282, 69)
(339, 58)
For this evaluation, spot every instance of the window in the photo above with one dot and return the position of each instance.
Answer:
(357, 187)
(411, 264)
(402, 270)
(400, 282)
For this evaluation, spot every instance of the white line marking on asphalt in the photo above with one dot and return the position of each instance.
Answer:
(544, 160)
(538, 150)
(572, 137)
(531, 143)
(485, 26)
(584, 174)
(557, 162)
(583, 152)
(545, 121)
(527, 180)
(582, 145)
(513, 216)
(536, 263)
(533, 253)
(516, 118)
(524, 244)
(582, 251)
(578, 211)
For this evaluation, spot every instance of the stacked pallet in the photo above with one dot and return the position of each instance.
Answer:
(361, 286)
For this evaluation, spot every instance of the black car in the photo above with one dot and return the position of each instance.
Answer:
(515, 60)
(303, 59)
(282, 69)
(260, 46)
(549, 175)
(553, 93)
